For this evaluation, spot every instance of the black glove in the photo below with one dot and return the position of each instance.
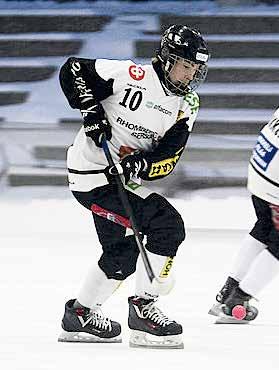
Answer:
(133, 165)
(95, 123)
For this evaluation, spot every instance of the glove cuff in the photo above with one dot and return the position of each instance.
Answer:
(140, 155)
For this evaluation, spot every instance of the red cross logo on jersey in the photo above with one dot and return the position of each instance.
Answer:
(136, 72)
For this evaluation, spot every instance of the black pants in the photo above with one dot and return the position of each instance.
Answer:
(156, 218)
(266, 228)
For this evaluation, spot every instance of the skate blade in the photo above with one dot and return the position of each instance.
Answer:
(215, 310)
(140, 339)
(80, 337)
(225, 319)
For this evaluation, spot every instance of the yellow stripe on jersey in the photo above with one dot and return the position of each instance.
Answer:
(164, 167)
(166, 269)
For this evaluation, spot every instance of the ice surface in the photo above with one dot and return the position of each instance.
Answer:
(47, 242)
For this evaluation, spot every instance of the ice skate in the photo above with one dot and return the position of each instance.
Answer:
(230, 284)
(236, 309)
(150, 328)
(89, 326)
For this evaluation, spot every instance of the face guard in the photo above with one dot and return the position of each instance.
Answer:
(186, 82)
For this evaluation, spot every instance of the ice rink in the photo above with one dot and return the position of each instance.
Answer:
(47, 242)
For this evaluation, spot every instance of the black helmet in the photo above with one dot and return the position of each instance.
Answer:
(183, 43)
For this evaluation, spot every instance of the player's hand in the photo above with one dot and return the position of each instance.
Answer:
(95, 124)
(133, 165)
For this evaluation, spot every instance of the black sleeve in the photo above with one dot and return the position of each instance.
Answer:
(80, 82)
(163, 159)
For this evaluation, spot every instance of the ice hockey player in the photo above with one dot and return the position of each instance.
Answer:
(147, 113)
(256, 263)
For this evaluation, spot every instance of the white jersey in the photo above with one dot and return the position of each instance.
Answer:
(263, 175)
(140, 113)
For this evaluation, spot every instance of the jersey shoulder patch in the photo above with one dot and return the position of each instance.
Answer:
(189, 108)
(193, 101)
(136, 72)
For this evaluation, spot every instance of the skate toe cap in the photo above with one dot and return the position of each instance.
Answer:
(174, 329)
(116, 328)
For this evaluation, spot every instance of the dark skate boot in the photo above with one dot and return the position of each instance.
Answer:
(236, 309)
(150, 327)
(86, 325)
(230, 284)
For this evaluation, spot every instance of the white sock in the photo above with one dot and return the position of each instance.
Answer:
(97, 288)
(262, 271)
(161, 266)
(247, 253)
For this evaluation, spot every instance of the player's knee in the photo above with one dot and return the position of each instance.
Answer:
(167, 230)
(115, 269)
(119, 263)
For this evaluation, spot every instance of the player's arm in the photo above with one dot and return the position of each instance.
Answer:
(80, 82)
(161, 161)
(84, 90)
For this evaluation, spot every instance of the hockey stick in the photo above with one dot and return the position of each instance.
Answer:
(128, 209)
(160, 286)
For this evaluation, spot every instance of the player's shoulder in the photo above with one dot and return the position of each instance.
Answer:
(111, 68)
(111, 64)
(128, 65)
(190, 102)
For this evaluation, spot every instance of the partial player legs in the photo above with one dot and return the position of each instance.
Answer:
(255, 267)
(164, 230)
(150, 327)
(247, 253)
(83, 319)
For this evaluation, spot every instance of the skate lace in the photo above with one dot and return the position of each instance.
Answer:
(98, 320)
(219, 297)
(155, 314)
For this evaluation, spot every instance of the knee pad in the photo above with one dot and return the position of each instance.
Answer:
(119, 261)
(166, 228)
